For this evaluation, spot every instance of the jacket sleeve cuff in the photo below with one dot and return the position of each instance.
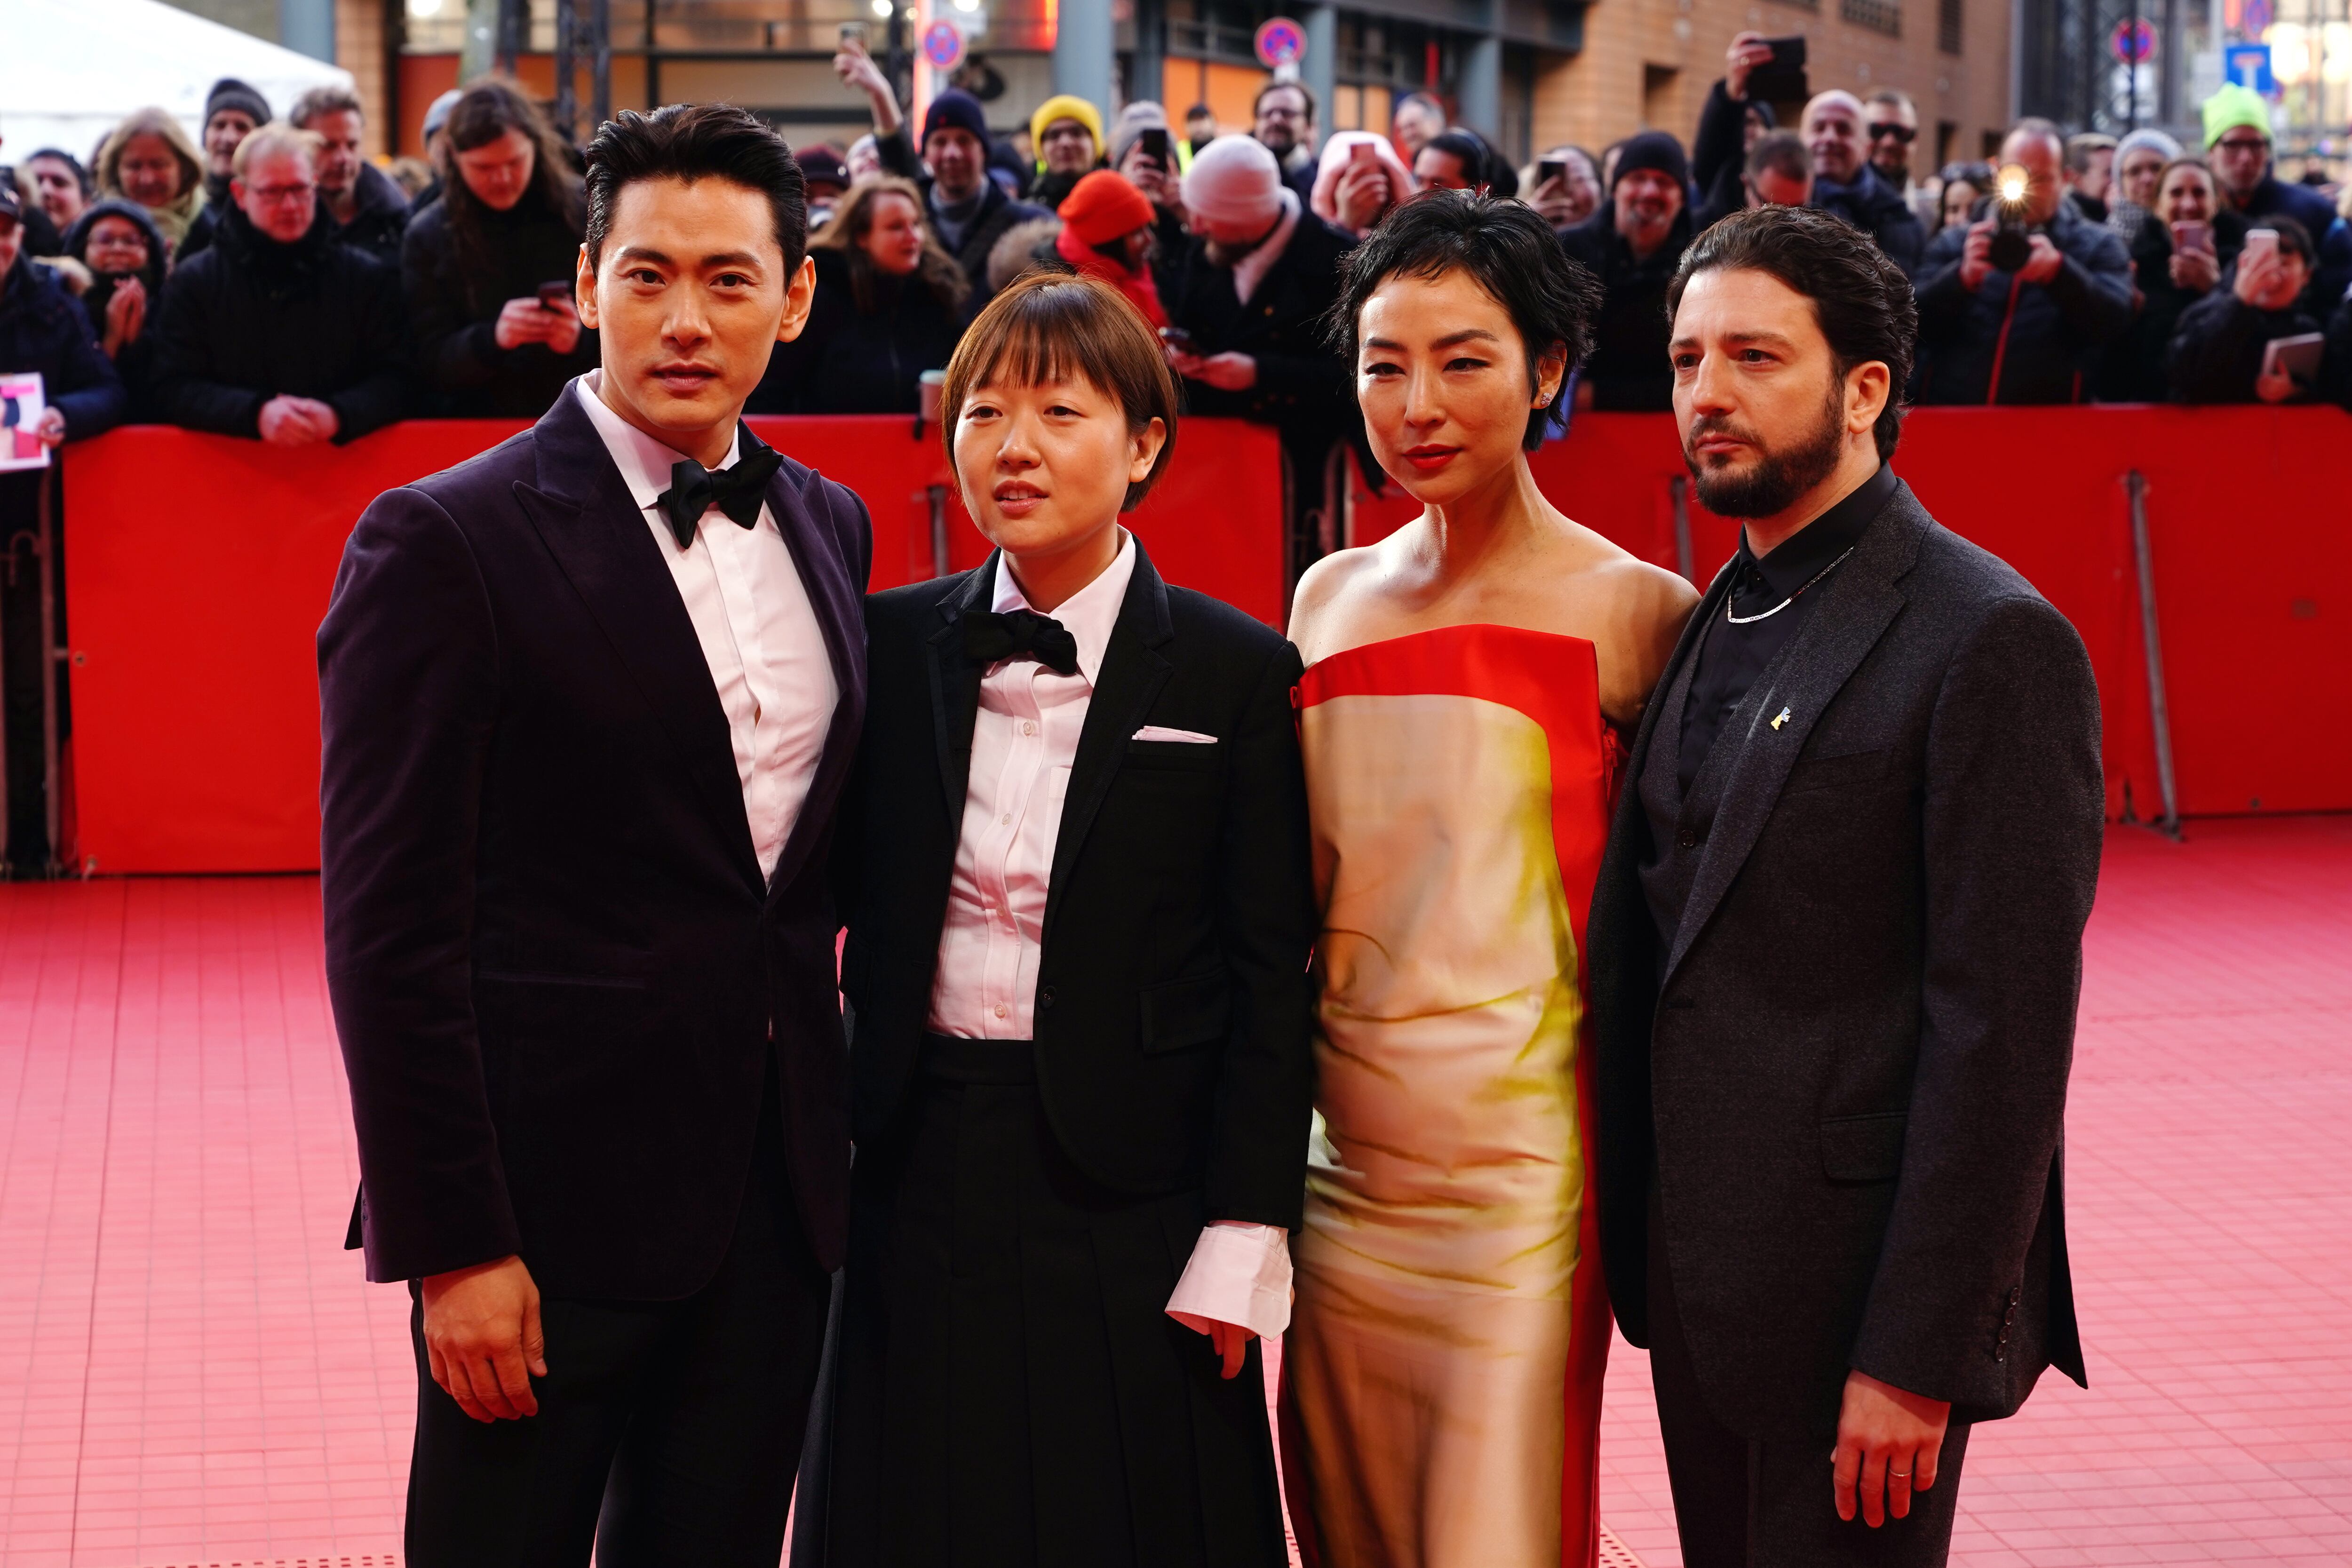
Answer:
(1239, 1274)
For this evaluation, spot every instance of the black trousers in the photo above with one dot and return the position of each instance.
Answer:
(668, 1432)
(1766, 1502)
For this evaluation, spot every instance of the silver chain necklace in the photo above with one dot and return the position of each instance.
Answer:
(1768, 615)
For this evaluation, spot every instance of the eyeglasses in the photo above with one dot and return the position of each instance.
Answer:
(275, 195)
(2244, 144)
(1906, 134)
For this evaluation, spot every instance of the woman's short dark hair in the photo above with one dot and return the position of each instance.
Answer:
(1860, 298)
(1055, 326)
(691, 142)
(1507, 250)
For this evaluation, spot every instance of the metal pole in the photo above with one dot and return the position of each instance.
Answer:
(2159, 711)
(1685, 559)
(600, 17)
(938, 495)
(567, 103)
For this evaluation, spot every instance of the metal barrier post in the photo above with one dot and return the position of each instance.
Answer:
(2159, 711)
(1685, 559)
(938, 495)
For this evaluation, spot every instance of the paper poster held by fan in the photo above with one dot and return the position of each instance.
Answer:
(21, 406)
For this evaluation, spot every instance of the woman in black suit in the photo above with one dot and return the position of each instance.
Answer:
(1079, 908)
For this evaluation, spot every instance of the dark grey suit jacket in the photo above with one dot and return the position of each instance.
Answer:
(1852, 1076)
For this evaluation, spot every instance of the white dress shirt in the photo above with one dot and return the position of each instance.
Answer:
(1024, 741)
(758, 629)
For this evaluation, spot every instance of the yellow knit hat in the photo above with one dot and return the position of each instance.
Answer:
(1062, 106)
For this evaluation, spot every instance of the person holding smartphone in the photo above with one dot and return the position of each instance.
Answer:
(2176, 257)
(2221, 351)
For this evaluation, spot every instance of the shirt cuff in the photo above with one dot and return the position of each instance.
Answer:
(1239, 1274)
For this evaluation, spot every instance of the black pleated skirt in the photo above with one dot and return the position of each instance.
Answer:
(1011, 1389)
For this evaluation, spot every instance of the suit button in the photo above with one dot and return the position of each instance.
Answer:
(1686, 840)
(1045, 996)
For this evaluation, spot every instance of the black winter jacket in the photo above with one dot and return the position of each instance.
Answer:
(1302, 386)
(2047, 338)
(998, 212)
(1718, 158)
(1628, 368)
(42, 328)
(380, 221)
(2216, 353)
(848, 361)
(248, 318)
(1878, 209)
(2132, 369)
(453, 319)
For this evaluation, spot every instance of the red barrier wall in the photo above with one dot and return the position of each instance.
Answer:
(195, 699)
(199, 567)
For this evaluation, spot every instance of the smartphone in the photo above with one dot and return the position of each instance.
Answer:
(556, 295)
(2189, 236)
(2260, 243)
(1548, 170)
(1784, 77)
(1179, 340)
(1153, 139)
(1363, 154)
(852, 36)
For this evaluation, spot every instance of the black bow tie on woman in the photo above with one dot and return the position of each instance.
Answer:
(1020, 634)
(738, 491)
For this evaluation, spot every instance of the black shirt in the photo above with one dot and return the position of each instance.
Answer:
(1731, 656)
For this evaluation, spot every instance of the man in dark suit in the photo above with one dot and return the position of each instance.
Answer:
(1836, 943)
(589, 700)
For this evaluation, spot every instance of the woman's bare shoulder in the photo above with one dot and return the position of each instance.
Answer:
(1324, 594)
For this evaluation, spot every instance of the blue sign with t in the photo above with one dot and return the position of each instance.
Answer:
(2249, 65)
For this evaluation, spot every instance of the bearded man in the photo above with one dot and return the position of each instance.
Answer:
(1836, 944)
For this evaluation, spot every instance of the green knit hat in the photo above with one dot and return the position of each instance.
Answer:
(2231, 107)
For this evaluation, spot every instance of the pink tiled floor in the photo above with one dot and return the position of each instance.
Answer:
(191, 1371)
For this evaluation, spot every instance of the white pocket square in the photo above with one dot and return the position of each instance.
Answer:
(1185, 737)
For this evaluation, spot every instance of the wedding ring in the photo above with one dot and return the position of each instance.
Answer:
(1905, 1475)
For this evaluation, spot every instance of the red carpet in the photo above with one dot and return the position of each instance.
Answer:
(192, 1372)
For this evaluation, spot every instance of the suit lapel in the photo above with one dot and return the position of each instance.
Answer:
(794, 498)
(955, 685)
(1132, 674)
(591, 524)
(1857, 606)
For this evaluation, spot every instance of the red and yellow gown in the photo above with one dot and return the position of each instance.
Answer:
(1441, 1375)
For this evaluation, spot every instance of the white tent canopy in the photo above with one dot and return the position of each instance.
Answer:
(69, 69)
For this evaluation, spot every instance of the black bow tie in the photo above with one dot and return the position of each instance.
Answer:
(1021, 634)
(737, 491)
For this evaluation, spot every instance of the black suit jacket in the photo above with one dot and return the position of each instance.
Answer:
(553, 963)
(1854, 1075)
(1173, 1002)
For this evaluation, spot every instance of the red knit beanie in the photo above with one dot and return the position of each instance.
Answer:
(1103, 205)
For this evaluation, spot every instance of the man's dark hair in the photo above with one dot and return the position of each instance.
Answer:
(81, 175)
(1300, 88)
(2293, 239)
(1783, 152)
(691, 142)
(484, 113)
(1511, 253)
(1860, 298)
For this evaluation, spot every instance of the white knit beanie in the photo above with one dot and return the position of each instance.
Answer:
(1234, 179)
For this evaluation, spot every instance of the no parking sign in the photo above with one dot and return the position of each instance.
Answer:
(1281, 42)
(943, 44)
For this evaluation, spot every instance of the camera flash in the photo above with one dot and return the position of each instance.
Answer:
(2012, 182)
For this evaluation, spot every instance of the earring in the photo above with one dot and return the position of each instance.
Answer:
(1545, 401)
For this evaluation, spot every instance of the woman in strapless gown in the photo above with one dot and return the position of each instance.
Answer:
(1468, 679)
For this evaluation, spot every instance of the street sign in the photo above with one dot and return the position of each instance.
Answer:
(2133, 41)
(2249, 65)
(1281, 42)
(943, 44)
(2255, 17)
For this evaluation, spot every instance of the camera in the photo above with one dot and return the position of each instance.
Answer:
(2011, 240)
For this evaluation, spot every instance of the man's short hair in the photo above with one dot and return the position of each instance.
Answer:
(59, 154)
(1781, 152)
(1895, 97)
(1861, 299)
(328, 100)
(2036, 128)
(691, 142)
(2080, 147)
(1506, 248)
(275, 137)
(1056, 326)
(1417, 100)
(1306, 94)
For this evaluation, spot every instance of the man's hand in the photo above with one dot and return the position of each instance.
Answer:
(1747, 51)
(289, 421)
(126, 313)
(482, 1339)
(1363, 195)
(2274, 386)
(2195, 270)
(524, 321)
(2042, 261)
(1976, 256)
(1225, 372)
(50, 429)
(1889, 1441)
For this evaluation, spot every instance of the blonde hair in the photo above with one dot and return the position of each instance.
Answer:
(276, 137)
